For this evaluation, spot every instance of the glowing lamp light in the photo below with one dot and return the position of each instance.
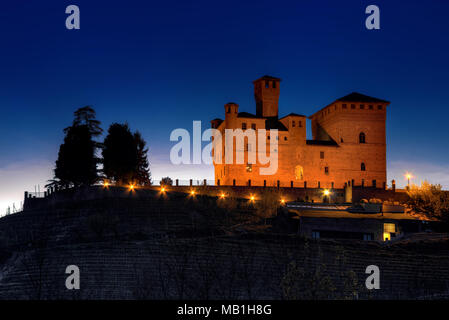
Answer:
(326, 192)
(131, 187)
(162, 189)
(192, 193)
(106, 184)
(222, 195)
(408, 176)
(282, 201)
(251, 198)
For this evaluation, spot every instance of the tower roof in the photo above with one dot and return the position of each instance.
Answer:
(354, 97)
(267, 77)
(358, 97)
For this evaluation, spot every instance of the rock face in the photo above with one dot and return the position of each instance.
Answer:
(175, 247)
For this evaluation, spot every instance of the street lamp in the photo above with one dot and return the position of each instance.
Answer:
(408, 176)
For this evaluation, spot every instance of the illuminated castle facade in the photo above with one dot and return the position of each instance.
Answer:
(348, 144)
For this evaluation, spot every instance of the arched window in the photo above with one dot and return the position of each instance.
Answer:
(363, 167)
(362, 137)
(299, 173)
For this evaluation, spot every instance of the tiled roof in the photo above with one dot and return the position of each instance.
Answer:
(293, 115)
(358, 97)
(247, 115)
(274, 123)
(267, 77)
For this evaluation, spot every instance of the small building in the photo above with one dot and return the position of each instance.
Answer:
(338, 223)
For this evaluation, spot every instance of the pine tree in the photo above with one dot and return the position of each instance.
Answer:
(142, 174)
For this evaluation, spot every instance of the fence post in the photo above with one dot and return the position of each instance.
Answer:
(291, 184)
(26, 194)
(205, 182)
(191, 181)
(218, 182)
(233, 182)
(278, 183)
(264, 183)
(249, 182)
(177, 182)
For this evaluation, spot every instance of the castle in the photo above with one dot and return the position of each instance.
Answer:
(348, 147)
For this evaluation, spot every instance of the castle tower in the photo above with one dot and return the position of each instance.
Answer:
(266, 93)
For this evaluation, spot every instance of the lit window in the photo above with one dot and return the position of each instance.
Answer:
(389, 229)
(249, 167)
(299, 173)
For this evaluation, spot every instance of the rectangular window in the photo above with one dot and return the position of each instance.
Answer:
(352, 106)
(326, 170)
(300, 124)
(315, 234)
(344, 106)
(362, 106)
(244, 126)
(321, 154)
(368, 237)
(274, 84)
(249, 167)
(371, 107)
(267, 84)
(253, 126)
(293, 123)
(379, 107)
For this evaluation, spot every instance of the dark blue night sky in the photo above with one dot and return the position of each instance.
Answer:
(159, 65)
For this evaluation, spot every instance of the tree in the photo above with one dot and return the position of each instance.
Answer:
(430, 201)
(86, 116)
(142, 174)
(166, 181)
(76, 164)
(125, 156)
(77, 161)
